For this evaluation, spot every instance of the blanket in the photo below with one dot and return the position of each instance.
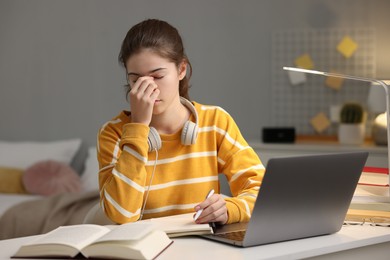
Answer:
(43, 215)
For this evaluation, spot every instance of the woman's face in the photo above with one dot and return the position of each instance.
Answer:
(165, 73)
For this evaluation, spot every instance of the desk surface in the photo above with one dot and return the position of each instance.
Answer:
(348, 239)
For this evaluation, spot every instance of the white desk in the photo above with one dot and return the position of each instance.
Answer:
(352, 242)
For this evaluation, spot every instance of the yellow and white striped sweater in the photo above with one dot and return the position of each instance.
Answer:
(183, 174)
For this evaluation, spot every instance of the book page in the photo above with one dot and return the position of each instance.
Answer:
(180, 223)
(372, 178)
(128, 232)
(77, 236)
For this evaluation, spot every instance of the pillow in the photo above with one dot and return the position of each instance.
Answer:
(11, 180)
(24, 154)
(90, 176)
(50, 178)
(79, 158)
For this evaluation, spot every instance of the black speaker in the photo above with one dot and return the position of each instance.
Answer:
(278, 135)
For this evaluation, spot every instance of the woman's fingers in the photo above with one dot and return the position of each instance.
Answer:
(143, 88)
(142, 98)
(214, 210)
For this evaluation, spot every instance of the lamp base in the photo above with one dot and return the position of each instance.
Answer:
(379, 130)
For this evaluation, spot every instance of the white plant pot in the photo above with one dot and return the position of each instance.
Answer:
(351, 133)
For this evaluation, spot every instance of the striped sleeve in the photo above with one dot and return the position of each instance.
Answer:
(122, 155)
(241, 166)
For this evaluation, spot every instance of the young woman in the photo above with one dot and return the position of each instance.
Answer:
(164, 155)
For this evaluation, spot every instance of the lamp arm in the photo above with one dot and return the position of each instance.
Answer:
(380, 82)
(387, 91)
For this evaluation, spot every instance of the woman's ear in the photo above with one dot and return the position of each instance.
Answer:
(182, 69)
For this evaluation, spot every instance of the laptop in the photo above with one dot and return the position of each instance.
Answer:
(300, 196)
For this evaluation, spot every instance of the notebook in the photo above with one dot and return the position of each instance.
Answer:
(300, 196)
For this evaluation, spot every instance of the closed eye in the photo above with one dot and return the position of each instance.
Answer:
(132, 79)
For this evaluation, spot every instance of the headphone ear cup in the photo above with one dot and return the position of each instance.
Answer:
(154, 140)
(189, 133)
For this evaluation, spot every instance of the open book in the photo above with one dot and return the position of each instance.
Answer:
(180, 225)
(128, 241)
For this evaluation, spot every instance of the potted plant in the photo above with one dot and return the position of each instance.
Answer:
(352, 124)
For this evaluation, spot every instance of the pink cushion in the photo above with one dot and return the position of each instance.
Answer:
(51, 177)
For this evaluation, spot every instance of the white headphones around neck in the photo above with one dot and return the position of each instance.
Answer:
(189, 132)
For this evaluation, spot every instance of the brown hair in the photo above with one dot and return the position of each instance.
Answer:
(162, 38)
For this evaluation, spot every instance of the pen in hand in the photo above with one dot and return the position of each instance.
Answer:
(211, 192)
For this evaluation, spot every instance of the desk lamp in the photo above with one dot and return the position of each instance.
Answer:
(375, 81)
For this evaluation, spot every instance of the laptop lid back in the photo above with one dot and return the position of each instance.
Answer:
(304, 196)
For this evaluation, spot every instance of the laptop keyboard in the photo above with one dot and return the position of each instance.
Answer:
(236, 235)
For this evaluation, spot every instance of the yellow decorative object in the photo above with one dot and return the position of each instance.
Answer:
(304, 62)
(320, 122)
(11, 180)
(334, 82)
(347, 47)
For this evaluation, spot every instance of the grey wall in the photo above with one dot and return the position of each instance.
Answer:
(59, 76)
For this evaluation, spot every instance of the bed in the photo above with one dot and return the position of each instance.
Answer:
(44, 185)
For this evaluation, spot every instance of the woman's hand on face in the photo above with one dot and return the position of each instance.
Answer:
(214, 210)
(143, 94)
